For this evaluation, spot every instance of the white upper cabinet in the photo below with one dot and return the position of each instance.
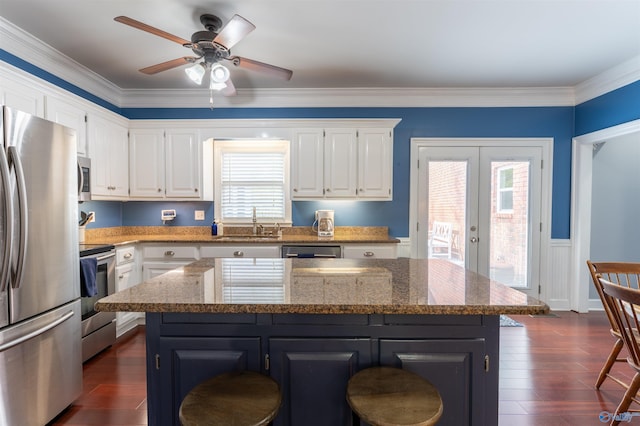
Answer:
(21, 97)
(146, 163)
(375, 163)
(182, 159)
(108, 148)
(167, 164)
(342, 163)
(71, 115)
(307, 163)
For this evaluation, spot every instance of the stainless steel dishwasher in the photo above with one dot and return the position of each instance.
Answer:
(311, 251)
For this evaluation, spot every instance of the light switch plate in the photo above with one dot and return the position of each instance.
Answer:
(199, 215)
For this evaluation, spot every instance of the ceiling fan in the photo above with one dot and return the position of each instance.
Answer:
(211, 47)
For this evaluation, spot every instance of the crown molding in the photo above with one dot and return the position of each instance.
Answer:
(619, 76)
(23, 45)
(354, 97)
(30, 49)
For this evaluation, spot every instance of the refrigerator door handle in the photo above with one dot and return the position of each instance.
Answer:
(36, 333)
(5, 262)
(14, 159)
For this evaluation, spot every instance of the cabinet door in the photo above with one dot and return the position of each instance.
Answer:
(108, 148)
(119, 161)
(340, 163)
(182, 159)
(313, 376)
(375, 162)
(69, 115)
(146, 163)
(21, 97)
(257, 251)
(185, 362)
(126, 277)
(455, 367)
(377, 251)
(307, 164)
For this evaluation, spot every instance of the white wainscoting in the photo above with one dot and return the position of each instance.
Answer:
(558, 289)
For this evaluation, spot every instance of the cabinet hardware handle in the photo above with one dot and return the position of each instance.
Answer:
(120, 277)
(361, 190)
(127, 255)
(295, 189)
(369, 254)
(159, 189)
(169, 253)
(238, 253)
(196, 189)
(328, 190)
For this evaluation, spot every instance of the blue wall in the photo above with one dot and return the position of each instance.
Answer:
(613, 108)
(554, 122)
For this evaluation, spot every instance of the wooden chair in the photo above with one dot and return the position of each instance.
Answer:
(626, 274)
(624, 304)
(387, 396)
(239, 398)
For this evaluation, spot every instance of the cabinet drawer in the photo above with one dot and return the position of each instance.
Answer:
(170, 252)
(125, 255)
(240, 251)
(382, 251)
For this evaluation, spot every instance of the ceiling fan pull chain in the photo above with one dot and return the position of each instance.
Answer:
(211, 98)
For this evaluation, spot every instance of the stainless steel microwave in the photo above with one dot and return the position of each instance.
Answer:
(84, 179)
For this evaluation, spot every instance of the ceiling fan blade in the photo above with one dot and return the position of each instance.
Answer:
(148, 28)
(234, 31)
(230, 90)
(252, 65)
(154, 69)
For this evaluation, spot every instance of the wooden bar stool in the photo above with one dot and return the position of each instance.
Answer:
(239, 398)
(386, 396)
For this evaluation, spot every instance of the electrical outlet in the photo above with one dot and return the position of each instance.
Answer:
(199, 215)
(93, 218)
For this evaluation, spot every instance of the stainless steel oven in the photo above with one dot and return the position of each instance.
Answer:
(98, 328)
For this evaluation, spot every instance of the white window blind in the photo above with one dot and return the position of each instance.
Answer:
(252, 175)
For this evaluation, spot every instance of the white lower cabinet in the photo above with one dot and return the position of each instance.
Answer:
(161, 258)
(127, 275)
(223, 250)
(369, 251)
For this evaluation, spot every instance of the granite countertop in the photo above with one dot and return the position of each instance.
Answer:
(239, 235)
(323, 286)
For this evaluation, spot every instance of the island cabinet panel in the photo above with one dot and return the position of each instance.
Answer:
(455, 367)
(312, 357)
(313, 376)
(186, 361)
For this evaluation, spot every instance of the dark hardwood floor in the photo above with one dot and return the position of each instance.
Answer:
(547, 372)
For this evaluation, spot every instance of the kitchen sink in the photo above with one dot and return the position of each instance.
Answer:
(245, 237)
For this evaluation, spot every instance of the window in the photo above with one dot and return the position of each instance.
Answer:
(505, 190)
(252, 174)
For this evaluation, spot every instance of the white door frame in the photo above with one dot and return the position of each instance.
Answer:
(545, 201)
(581, 179)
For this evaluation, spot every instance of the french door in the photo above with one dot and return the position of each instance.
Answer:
(479, 206)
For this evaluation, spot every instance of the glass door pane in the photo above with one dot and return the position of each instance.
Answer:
(510, 208)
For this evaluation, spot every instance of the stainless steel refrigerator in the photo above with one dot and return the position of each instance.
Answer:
(40, 352)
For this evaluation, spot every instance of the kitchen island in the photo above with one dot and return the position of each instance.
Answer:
(312, 323)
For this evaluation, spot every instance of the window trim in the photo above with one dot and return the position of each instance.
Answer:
(251, 145)
(500, 190)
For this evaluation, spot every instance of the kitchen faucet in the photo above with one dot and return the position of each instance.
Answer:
(254, 220)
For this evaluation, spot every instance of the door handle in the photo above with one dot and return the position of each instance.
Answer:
(473, 239)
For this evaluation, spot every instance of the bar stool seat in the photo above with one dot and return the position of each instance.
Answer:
(386, 396)
(239, 398)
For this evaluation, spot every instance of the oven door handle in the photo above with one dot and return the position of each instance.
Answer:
(104, 257)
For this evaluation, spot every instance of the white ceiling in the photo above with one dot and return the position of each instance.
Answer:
(351, 43)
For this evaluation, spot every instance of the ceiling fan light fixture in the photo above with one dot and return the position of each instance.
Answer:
(195, 73)
(217, 86)
(219, 74)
